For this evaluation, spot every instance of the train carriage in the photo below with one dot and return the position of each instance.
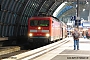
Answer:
(45, 29)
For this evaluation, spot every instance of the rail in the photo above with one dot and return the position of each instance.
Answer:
(37, 52)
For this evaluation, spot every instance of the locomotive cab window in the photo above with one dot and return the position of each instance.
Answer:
(39, 23)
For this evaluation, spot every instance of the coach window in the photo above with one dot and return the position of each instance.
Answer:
(44, 23)
(35, 23)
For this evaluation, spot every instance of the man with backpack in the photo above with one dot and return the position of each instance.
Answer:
(76, 35)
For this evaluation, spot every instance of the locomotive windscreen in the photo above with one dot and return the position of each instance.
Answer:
(39, 22)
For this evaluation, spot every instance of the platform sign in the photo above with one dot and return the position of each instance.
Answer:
(77, 22)
(86, 24)
(73, 18)
(70, 24)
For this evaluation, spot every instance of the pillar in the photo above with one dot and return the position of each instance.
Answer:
(89, 13)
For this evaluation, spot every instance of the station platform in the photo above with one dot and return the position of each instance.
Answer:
(67, 52)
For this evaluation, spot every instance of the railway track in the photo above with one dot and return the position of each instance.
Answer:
(36, 52)
(8, 51)
(5, 51)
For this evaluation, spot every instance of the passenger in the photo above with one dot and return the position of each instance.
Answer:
(84, 34)
(76, 36)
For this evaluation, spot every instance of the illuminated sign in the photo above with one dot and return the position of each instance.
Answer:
(86, 24)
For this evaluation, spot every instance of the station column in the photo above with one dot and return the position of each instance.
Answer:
(89, 13)
(77, 15)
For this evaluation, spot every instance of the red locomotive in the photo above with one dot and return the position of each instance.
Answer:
(46, 29)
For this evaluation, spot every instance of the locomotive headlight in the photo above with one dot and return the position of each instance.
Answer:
(39, 28)
(30, 34)
(47, 35)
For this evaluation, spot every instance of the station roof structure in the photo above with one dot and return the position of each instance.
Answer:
(15, 13)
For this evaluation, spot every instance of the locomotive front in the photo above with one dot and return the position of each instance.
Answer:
(38, 29)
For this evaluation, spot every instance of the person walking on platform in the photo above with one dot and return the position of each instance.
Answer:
(76, 35)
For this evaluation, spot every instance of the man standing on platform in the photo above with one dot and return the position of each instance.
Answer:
(76, 35)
